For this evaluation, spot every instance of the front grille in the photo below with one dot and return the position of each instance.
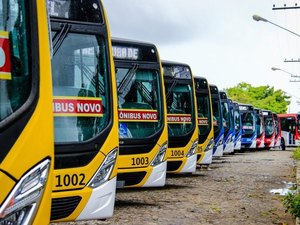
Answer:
(63, 207)
(131, 178)
(173, 165)
(247, 135)
(63, 161)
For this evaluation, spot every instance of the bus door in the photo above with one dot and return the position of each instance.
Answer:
(182, 118)
(26, 119)
(237, 127)
(269, 129)
(260, 129)
(248, 126)
(290, 130)
(277, 138)
(217, 121)
(142, 115)
(85, 112)
(205, 122)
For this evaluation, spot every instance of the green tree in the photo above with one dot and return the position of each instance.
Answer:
(263, 97)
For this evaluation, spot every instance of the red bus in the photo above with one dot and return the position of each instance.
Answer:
(269, 128)
(290, 130)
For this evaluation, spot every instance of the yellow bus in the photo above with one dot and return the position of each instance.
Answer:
(85, 111)
(205, 122)
(181, 116)
(142, 115)
(26, 119)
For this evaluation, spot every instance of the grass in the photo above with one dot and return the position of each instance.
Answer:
(296, 154)
(291, 201)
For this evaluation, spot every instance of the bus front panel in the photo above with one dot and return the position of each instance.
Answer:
(142, 118)
(205, 122)
(85, 112)
(181, 109)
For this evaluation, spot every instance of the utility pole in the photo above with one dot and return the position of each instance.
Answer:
(292, 60)
(286, 7)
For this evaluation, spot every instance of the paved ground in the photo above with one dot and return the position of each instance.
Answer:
(235, 190)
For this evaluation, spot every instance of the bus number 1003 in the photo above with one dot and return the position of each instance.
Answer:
(139, 161)
(67, 180)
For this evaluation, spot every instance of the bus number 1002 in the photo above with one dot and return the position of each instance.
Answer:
(140, 161)
(67, 180)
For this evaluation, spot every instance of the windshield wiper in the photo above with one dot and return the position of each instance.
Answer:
(60, 37)
(127, 79)
(171, 88)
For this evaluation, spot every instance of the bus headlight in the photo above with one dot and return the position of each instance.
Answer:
(20, 206)
(159, 158)
(104, 170)
(192, 150)
(210, 145)
(220, 142)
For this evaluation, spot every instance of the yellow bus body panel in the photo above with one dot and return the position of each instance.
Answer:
(111, 143)
(186, 148)
(35, 143)
(125, 161)
(201, 146)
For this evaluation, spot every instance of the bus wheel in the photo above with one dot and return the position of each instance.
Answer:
(282, 145)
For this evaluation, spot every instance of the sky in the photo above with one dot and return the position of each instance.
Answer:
(218, 39)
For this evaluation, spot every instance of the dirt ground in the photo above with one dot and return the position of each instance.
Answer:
(234, 190)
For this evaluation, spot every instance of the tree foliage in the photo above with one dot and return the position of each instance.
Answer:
(263, 97)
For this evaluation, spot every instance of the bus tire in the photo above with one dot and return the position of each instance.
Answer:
(282, 144)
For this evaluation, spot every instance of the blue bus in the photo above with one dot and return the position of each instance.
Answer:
(228, 124)
(248, 126)
(218, 120)
(237, 127)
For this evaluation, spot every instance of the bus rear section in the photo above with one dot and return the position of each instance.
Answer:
(181, 117)
(142, 115)
(205, 122)
(85, 112)
(228, 124)
(290, 130)
(248, 126)
(26, 120)
(237, 127)
(269, 129)
(260, 129)
(217, 120)
(277, 138)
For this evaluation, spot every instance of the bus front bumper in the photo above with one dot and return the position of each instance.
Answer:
(158, 176)
(207, 158)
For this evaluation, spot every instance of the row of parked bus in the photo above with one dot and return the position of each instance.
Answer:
(82, 114)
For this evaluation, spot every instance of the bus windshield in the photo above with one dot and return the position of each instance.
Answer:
(248, 122)
(269, 126)
(80, 87)
(15, 60)
(204, 120)
(237, 120)
(217, 115)
(259, 124)
(226, 116)
(140, 108)
(180, 108)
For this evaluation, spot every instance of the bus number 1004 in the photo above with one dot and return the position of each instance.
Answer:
(177, 153)
(140, 161)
